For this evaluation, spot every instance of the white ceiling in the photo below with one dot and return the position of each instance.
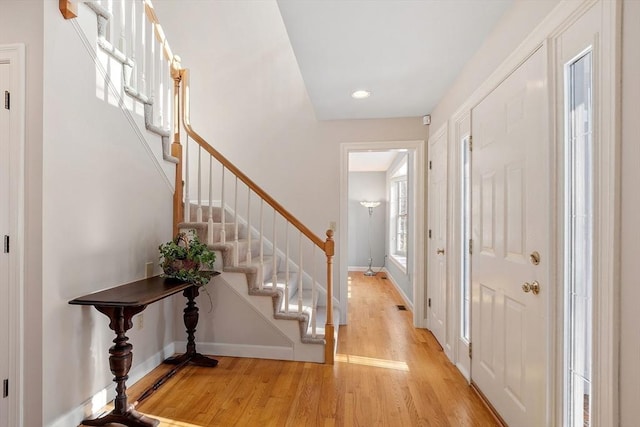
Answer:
(371, 161)
(406, 52)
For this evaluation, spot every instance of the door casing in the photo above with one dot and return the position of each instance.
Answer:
(417, 247)
(15, 56)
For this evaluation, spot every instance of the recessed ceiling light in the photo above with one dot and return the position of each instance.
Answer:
(361, 94)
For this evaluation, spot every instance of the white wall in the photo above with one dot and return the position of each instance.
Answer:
(21, 22)
(516, 24)
(630, 226)
(105, 209)
(371, 186)
(250, 102)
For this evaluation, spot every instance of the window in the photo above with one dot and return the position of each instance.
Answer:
(578, 249)
(399, 209)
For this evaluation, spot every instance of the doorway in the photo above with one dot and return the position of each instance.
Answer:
(414, 246)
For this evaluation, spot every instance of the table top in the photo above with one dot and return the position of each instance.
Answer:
(134, 294)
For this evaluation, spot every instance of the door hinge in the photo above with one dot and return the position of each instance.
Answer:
(470, 143)
(470, 351)
(7, 100)
(470, 246)
(429, 233)
(429, 164)
(429, 302)
(6, 244)
(5, 388)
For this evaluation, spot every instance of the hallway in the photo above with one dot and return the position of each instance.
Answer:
(386, 374)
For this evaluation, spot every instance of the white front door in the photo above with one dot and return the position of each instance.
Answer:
(511, 224)
(437, 260)
(4, 230)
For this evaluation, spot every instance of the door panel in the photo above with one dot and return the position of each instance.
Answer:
(437, 260)
(510, 220)
(4, 230)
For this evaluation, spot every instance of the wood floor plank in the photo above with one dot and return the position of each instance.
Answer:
(387, 373)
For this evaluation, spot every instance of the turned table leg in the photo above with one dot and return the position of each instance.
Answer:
(120, 358)
(191, 321)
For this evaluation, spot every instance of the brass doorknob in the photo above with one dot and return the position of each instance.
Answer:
(535, 287)
(531, 287)
(440, 251)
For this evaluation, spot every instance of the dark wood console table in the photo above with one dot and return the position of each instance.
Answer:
(120, 304)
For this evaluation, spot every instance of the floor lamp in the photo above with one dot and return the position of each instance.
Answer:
(370, 206)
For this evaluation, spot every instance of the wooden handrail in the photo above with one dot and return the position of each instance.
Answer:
(184, 73)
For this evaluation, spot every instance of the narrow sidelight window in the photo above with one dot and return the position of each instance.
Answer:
(465, 289)
(578, 248)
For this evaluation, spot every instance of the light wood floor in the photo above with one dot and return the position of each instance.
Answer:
(387, 373)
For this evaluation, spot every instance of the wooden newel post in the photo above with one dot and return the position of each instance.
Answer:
(176, 151)
(329, 330)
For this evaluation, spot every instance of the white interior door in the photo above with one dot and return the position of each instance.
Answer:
(511, 217)
(4, 230)
(437, 259)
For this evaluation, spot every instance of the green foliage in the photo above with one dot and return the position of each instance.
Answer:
(184, 256)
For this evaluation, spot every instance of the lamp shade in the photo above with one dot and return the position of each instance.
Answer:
(370, 205)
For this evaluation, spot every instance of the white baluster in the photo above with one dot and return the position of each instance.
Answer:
(133, 40)
(313, 293)
(248, 226)
(223, 229)
(144, 47)
(199, 175)
(151, 66)
(122, 41)
(111, 23)
(300, 273)
(235, 220)
(261, 244)
(187, 199)
(274, 276)
(210, 221)
(160, 88)
(286, 269)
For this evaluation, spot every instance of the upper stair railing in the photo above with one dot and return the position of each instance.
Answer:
(127, 36)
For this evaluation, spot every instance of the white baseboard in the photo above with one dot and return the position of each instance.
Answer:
(96, 402)
(106, 395)
(404, 296)
(365, 268)
(242, 350)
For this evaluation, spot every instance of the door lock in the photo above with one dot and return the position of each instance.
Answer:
(531, 287)
(534, 258)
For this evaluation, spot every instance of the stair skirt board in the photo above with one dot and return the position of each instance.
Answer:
(304, 348)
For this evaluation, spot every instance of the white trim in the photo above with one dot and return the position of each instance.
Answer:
(454, 171)
(403, 295)
(606, 368)
(243, 350)
(394, 259)
(96, 402)
(15, 55)
(437, 134)
(417, 246)
(605, 42)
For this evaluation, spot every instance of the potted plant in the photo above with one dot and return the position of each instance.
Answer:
(187, 259)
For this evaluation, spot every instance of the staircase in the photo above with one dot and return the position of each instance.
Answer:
(296, 305)
(272, 269)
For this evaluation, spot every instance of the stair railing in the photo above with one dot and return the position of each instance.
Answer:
(129, 32)
(254, 226)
